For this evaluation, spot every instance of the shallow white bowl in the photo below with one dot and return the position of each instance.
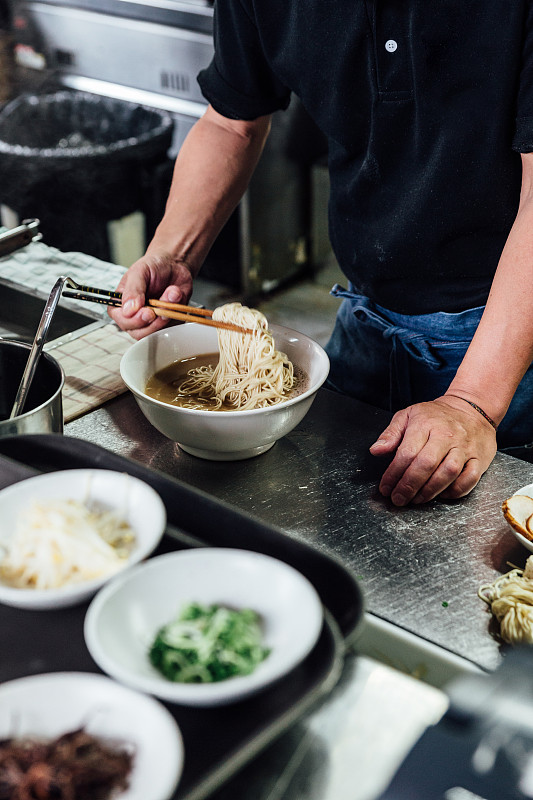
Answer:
(220, 436)
(137, 503)
(124, 617)
(528, 544)
(46, 706)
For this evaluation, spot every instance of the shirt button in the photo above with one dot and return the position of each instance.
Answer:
(391, 46)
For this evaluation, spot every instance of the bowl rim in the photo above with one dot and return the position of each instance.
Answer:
(249, 412)
(527, 543)
(35, 598)
(58, 392)
(198, 694)
(94, 682)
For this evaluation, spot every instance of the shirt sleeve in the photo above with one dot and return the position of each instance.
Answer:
(523, 139)
(239, 82)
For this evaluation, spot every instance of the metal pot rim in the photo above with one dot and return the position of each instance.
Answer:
(51, 360)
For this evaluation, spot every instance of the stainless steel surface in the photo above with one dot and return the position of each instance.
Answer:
(23, 234)
(419, 567)
(145, 55)
(349, 747)
(44, 412)
(37, 348)
(193, 14)
(319, 484)
(20, 311)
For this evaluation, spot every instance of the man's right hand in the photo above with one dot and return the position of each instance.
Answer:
(155, 275)
(211, 173)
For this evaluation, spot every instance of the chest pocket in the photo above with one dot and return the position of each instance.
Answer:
(391, 21)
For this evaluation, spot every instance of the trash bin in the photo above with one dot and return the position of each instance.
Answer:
(78, 161)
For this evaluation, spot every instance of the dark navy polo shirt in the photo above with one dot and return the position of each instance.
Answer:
(426, 105)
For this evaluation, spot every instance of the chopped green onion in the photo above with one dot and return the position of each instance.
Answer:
(205, 644)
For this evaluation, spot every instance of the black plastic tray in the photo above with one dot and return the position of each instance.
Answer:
(217, 741)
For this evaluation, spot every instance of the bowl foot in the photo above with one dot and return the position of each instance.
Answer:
(229, 455)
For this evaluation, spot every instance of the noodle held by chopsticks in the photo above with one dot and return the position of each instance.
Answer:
(250, 372)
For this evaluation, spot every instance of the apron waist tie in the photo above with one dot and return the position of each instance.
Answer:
(406, 344)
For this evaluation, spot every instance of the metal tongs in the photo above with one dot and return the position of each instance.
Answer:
(162, 308)
(109, 298)
(37, 347)
(22, 235)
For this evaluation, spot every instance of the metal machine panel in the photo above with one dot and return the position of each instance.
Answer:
(145, 55)
(195, 15)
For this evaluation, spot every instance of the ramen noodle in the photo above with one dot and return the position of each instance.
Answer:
(250, 372)
(510, 598)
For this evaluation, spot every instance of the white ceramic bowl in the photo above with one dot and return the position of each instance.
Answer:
(125, 616)
(220, 436)
(46, 706)
(527, 543)
(137, 503)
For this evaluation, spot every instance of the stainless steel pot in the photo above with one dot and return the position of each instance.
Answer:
(44, 406)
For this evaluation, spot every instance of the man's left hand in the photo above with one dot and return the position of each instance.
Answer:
(441, 449)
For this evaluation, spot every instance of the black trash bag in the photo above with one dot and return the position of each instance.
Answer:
(77, 160)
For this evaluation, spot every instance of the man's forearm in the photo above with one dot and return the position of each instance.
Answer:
(502, 348)
(212, 171)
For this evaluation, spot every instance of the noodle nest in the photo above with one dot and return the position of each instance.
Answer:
(250, 372)
(510, 598)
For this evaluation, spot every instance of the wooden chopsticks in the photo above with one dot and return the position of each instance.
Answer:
(192, 314)
(161, 308)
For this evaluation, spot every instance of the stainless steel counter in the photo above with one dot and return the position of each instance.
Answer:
(419, 567)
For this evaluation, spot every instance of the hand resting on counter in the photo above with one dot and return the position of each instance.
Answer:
(440, 449)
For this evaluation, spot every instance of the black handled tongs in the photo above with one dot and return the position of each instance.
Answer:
(162, 308)
(22, 235)
(92, 294)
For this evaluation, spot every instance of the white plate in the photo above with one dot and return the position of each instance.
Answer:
(58, 702)
(124, 617)
(528, 544)
(137, 502)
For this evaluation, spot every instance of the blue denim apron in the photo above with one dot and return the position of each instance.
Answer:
(392, 360)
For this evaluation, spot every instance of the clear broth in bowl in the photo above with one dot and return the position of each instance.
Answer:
(165, 384)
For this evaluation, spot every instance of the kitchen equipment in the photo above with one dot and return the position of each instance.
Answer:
(37, 348)
(482, 749)
(179, 311)
(44, 407)
(78, 160)
(221, 435)
(20, 236)
(151, 53)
